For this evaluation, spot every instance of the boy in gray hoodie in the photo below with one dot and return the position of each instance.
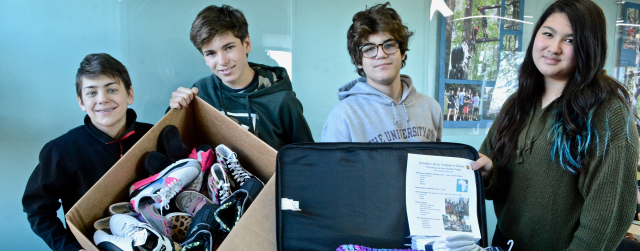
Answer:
(382, 105)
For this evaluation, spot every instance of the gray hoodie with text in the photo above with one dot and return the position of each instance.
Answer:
(365, 114)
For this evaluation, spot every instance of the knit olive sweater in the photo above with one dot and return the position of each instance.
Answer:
(542, 206)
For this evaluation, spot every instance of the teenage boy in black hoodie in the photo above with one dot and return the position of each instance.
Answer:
(72, 163)
(258, 97)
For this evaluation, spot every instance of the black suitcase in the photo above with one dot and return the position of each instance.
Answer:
(353, 193)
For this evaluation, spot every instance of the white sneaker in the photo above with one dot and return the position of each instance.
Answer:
(120, 208)
(143, 236)
(164, 185)
(105, 241)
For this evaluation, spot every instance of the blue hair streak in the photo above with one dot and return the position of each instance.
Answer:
(562, 145)
(562, 150)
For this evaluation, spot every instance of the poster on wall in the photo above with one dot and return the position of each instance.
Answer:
(630, 78)
(461, 103)
(506, 84)
(472, 41)
(628, 64)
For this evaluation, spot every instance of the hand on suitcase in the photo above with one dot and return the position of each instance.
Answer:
(461, 242)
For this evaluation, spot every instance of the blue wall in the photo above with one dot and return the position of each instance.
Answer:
(43, 42)
(41, 45)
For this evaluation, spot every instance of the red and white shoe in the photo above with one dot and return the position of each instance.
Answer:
(164, 185)
(219, 184)
(204, 154)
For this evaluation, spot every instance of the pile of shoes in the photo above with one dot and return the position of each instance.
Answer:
(127, 233)
(191, 197)
(232, 190)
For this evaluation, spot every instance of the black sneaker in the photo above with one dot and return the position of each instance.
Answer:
(155, 162)
(231, 210)
(170, 143)
(203, 230)
(253, 187)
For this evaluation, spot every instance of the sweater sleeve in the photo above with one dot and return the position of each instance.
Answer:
(608, 186)
(41, 201)
(295, 125)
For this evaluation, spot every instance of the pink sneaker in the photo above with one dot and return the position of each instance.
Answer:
(164, 185)
(219, 184)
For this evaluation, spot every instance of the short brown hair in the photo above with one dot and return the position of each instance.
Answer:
(379, 18)
(94, 65)
(213, 21)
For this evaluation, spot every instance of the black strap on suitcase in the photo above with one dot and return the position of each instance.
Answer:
(353, 193)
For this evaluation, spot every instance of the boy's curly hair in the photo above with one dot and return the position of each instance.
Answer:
(379, 18)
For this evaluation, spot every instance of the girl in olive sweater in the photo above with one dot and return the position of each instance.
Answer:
(559, 161)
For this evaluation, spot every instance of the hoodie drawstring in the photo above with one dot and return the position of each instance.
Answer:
(405, 113)
(120, 141)
(249, 112)
(395, 116)
(224, 108)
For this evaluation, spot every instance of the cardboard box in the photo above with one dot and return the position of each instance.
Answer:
(199, 124)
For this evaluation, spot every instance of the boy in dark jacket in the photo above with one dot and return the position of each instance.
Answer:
(258, 97)
(72, 163)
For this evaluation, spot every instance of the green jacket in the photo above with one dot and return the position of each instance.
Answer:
(542, 206)
(272, 112)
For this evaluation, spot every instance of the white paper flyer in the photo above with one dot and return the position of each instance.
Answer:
(441, 196)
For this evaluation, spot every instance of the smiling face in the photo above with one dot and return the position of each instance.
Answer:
(382, 69)
(553, 49)
(226, 56)
(105, 100)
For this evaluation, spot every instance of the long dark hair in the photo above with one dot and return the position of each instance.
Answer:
(584, 91)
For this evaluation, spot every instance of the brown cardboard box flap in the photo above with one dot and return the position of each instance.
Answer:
(200, 123)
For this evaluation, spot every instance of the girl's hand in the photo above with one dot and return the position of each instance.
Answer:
(486, 167)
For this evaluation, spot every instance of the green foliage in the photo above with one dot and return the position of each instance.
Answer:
(632, 16)
(483, 63)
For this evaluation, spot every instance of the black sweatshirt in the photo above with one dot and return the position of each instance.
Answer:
(275, 112)
(69, 166)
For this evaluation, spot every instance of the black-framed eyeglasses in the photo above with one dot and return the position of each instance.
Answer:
(371, 50)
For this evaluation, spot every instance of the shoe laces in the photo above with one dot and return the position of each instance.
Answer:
(167, 193)
(223, 190)
(133, 232)
(237, 171)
